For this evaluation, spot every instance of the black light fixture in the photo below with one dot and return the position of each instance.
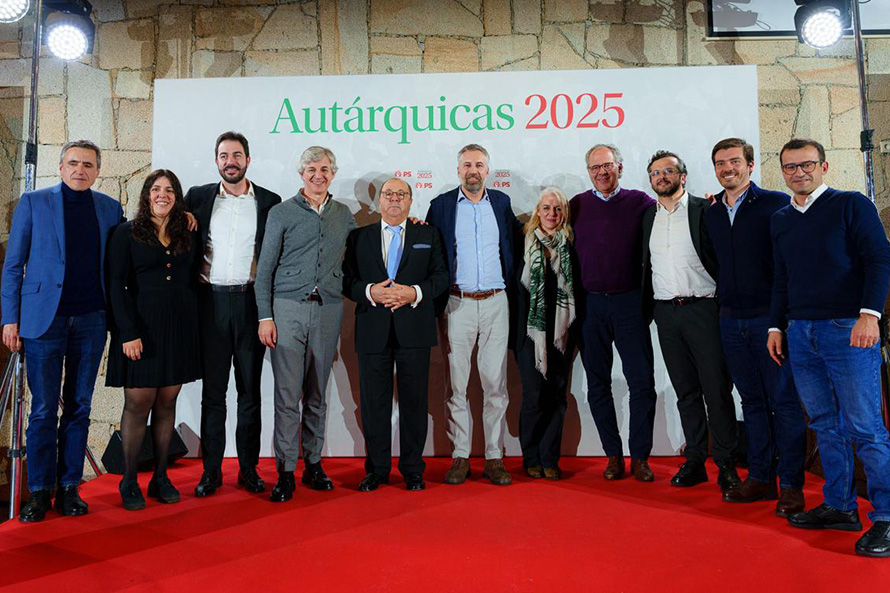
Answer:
(69, 30)
(821, 23)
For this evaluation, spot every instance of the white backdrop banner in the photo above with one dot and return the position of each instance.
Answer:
(537, 126)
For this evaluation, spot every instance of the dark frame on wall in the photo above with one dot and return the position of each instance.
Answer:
(748, 18)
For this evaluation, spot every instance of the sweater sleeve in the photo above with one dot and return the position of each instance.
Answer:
(871, 244)
(265, 272)
(779, 300)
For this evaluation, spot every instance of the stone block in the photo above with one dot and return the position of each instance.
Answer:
(52, 121)
(110, 186)
(90, 113)
(131, 186)
(344, 37)
(393, 64)
(395, 46)
(764, 51)
(527, 65)
(845, 129)
(566, 11)
(134, 120)
(776, 126)
(700, 52)
(122, 163)
(108, 10)
(48, 160)
(174, 42)
(770, 171)
(845, 169)
(11, 39)
(216, 64)
(844, 98)
(562, 47)
(228, 29)
(497, 17)
(662, 45)
(777, 86)
(498, 52)
(845, 48)
(474, 6)
(126, 44)
(288, 27)
(132, 84)
(822, 70)
(51, 80)
(813, 115)
(624, 43)
(607, 11)
(281, 63)
(878, 51)
(147, 8)
(666, 13)
(16, 73)
(424, 17)
(527, 16)
(443, 54)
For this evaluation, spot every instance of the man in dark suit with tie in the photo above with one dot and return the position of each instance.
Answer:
(232, 218)
(393, 270)
(679, 271)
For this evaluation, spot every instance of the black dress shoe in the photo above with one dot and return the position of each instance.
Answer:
(131, 495)
(414, 482)
(876, 541)
(826, 517)
(284, 487)
(690, 474)
(35, 509)
(251, 481)
(315, 478)
(208, 484)
(69, 502)
(372, 481)
(162, 489)
(727, 477)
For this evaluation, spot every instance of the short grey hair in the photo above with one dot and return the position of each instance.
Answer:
(615, 152)
(82, 144)
(476, 147)
(313, 154)
(405, 183)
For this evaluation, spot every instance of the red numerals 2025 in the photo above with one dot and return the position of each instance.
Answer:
(561, 112)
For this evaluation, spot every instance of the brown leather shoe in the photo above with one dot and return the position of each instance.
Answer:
(751, 491)
(553, 473)
(459, 472)
(641, 470)
(790, 502)
(615, 468)
(496, 472)
(534, 471)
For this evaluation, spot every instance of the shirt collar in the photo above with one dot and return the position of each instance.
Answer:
(681, 203)
(402, 226)
(461, 196)
(308, 203)
(738, 200)
(224, 194)
(810, 198)
(604, 197)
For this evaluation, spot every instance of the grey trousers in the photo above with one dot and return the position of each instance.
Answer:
(301, 364)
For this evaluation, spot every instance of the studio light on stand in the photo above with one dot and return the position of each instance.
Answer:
(13, 10)
(821, 23)
(69, 30)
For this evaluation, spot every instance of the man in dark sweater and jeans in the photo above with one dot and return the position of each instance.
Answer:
(608, 236)
(832, 269)
(738, 224)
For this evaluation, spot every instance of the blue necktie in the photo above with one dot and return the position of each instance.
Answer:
(395, 252)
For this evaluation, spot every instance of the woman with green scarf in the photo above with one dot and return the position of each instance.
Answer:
(544, 314)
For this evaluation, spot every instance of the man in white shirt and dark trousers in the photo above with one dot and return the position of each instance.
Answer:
(232, 218)
(680, 267)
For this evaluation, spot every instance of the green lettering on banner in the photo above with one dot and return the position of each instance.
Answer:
(285, 107)
(454, 117)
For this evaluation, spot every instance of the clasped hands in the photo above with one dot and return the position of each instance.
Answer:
(392, 295)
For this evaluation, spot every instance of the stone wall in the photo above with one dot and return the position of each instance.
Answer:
(107, 96)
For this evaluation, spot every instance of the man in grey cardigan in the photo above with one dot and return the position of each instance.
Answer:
(298, 292)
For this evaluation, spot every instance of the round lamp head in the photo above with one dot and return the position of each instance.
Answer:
(13, 10)
(822, 29)
(67, 36)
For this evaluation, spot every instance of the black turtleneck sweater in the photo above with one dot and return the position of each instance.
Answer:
(82, 289)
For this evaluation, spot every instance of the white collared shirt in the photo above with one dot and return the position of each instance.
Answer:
(230, 254)
(810, 199)
(605, 197)
(321, 206)
(386, 237)
(677, 270)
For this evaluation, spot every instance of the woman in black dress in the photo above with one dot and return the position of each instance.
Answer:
(153, 263)
(543, 314)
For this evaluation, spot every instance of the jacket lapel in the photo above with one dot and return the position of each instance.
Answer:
(58, 209)
(695, 211)
(374, 243)
(410, 237)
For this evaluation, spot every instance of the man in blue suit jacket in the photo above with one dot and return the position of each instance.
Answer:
(57, 310)
(478, 226)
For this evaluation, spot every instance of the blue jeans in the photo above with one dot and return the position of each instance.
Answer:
(774, 417)
(840, 386)
(56, 448)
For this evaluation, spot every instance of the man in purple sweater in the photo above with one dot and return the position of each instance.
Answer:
(608, 238)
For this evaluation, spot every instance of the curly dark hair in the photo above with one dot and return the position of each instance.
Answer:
(144, 229)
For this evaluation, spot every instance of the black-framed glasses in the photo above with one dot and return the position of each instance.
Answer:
(667, 171)
(392, 195)
(605, 167)
(806, 167)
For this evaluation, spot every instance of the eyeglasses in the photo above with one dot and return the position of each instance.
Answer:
(806, 167)
(605, 167)
(667, 171)
(392, 195)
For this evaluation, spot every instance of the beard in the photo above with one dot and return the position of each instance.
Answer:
(233, 178)
(473, 183)
(667, 190)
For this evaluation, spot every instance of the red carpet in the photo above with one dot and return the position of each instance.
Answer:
(580, 534)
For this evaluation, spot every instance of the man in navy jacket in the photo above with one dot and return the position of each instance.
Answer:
(832, 269)
(478, 227)
(56, 310)
(738, 224)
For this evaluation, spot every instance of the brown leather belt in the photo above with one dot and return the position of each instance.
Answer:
(683, 301)
(476, 296)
